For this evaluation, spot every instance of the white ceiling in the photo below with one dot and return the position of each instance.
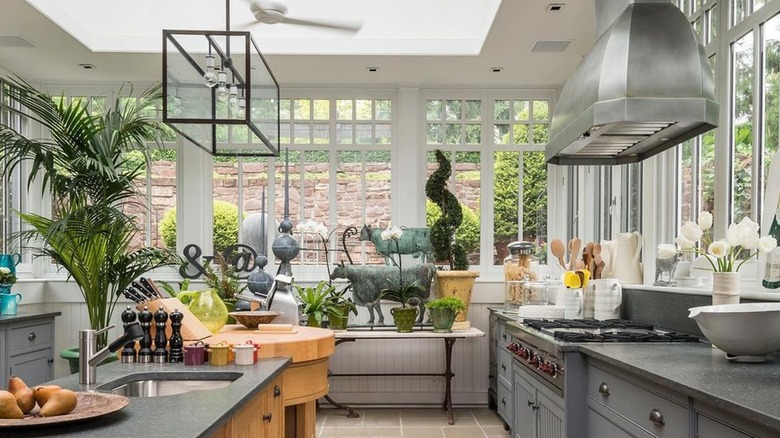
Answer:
(413, 42)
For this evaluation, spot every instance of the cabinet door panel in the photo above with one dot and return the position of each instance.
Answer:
(34, 368)
(599, 426)
(525, 415)
(248, 422)
(708, 428)
(273, 409)
(549, 418)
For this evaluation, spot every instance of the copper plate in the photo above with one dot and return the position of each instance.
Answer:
(89, 405)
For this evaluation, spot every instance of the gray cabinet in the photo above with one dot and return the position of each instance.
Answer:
(711, 422)
(538, 412)
(27, 349)
(501, 381)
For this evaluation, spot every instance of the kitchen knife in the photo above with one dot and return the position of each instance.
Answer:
(132, 296)
(150, 287)
(143, 292)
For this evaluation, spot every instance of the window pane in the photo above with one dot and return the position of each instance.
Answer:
(302, 109)
(433, 133)
(742, 149)
(343, 133)
(501, 134)
(534, 192)
(473, 134)
(453, 110)
(284, 109)
(506, 202)
(302, 133)
(363, 134)
(520, 134)
(255, 180)
(363, 110)
(433, 110)
(468, 175)
(541, 110)
(163, 176)
(771, 93)
(383, 133)
(473, 110)
(225, 192)
(321, 109)
(697, 27)
(712, 24)
(707, 171)
(541, 133)
(384, 109)
(344, 110)
(739, 11)
(687, 189)
(453, 133)
(521, 110)
(321, 133)
(501, 110)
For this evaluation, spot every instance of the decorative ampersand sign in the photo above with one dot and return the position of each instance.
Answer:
(241, 256)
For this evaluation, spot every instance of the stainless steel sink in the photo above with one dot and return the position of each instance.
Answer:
(151, 385)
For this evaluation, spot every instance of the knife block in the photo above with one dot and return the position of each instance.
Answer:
(191, 327)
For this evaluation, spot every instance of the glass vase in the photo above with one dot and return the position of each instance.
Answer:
(725, 288)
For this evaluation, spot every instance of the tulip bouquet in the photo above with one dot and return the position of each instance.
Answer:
(742, 236)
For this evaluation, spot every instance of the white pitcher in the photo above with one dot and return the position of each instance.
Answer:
(608, 297)
(626, 267)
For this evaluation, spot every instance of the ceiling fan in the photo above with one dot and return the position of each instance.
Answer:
(275, 11)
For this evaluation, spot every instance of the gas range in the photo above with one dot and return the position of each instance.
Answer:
(540, 344)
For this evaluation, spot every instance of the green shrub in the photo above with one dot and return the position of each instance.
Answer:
(468, 231)
(225, 226)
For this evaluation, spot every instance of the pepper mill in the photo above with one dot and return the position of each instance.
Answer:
(145, 353)
(176, 342)
(160, 355)
(128, 353)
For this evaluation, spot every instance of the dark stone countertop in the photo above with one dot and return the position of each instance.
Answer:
(23, 315)
(193, 414)
(702, 372)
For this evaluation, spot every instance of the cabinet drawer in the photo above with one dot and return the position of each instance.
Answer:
(504, 366)
(638, 404)
(504, 402)
(706, 427)
(502, 338)
(30, 335)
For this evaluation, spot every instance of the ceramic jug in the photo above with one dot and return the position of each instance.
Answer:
(8, 303)
(10, 261)
(625, 261)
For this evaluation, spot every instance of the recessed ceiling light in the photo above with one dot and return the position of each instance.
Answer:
(372, 69)
(496, 69)
(87, 66)
(555, 7)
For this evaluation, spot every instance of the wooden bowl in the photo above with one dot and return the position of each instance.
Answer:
(251, 319)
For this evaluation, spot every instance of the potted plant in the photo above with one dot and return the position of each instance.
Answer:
(338, 308)
(399, 290)
(224, 281)
(84, 167)
(315, 301)
(443, 312)
(457, 281)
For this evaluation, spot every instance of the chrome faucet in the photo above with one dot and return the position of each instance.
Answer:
(89, 358)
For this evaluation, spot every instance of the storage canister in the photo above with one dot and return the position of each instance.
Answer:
(519, 267)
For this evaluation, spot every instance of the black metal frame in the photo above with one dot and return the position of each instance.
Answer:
(447, 374)
(245, 79)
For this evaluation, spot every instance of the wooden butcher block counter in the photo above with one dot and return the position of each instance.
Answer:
(305, 380)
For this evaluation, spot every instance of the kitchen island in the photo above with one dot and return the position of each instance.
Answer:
(193, 414)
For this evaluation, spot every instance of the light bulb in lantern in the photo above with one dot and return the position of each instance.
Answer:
(210, 76)
(222, 91)
(241, 106)
(233, 98)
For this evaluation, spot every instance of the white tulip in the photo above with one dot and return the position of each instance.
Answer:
(749, 225)
(385, 235)
(5, 271)
(718, 249)
(705, 220)
(322, 230)
(766, 244)
(683, 243)
(750, 241)
(396, 233)
(691, 231)
(736, 234)
(666, 251)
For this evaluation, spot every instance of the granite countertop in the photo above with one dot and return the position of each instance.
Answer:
(193, 414)
(702, 372)
(24, 315)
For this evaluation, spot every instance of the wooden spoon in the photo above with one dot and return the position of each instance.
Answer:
(597, 261)
(574, 251)
(588, 257)
(558, 250)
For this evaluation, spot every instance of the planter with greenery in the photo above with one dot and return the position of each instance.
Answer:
(443, 312)
(315, 301)
(84, 168)
(338, 308)
(458, 281)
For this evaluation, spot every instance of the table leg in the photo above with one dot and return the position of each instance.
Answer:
(448, 342)
(350, 412)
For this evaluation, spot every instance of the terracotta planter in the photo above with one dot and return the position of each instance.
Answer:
(442, 319)
(725, 287)
(404, 318)
(458, 284)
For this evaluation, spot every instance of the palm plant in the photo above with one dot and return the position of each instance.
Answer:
(83, 166)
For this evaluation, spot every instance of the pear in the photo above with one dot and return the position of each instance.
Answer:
(8, 406)
(42, 393)
(23, 394)
(61, 402)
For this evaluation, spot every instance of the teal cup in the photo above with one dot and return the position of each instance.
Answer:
(8, 303)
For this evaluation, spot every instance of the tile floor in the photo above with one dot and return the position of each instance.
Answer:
(410, 423)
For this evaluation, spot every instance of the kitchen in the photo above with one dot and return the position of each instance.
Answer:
(628, 197)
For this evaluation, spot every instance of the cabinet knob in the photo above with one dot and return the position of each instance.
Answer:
(503, 336)
(533, 405)
(503, 401)
(604, 389)
(277, 391)
(31, 337)
(50, 361)
(267, 417)
(503, 366)
(657, 417)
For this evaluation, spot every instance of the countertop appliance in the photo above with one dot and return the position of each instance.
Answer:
(539, 345)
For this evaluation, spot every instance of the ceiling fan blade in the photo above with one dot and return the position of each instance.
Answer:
(346, 26)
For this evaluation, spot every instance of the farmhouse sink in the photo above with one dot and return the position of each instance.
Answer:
(164, 384)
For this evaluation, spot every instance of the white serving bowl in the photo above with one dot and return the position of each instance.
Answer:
(748, 331)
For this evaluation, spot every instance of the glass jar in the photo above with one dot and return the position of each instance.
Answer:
(519, 267)
(535, 293)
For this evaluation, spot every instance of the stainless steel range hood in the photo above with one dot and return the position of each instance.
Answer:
(644, 87)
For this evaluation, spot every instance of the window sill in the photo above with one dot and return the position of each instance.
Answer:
(749, 291)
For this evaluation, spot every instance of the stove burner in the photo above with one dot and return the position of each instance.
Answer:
(541, 324)
(619, 336)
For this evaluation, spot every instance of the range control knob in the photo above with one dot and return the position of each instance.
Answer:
(533, 359)
(553, 369)
(513, 347)
(524, 352)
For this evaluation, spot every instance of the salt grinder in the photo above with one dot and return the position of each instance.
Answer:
(128, 352)
(176, 342)
(160, 354)
(145, 352)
